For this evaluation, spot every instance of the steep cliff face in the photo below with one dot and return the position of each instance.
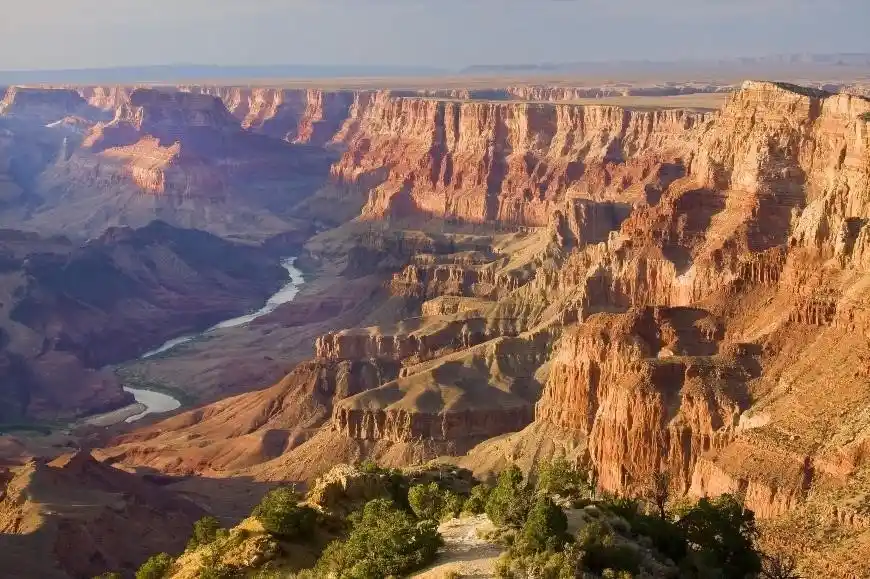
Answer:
(44, 106)
(767, 228)
(182, 157)
(107, 98)
(450, 403)
(306, 116)
(649, 389)
(508, 162)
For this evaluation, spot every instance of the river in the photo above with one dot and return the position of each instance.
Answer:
(157, 402)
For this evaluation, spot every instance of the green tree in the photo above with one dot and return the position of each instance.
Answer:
(384, 541)
(723, 532)
(546, 526)
(205, 531)
(213, 567)
(510, 500)
(427, 501)
(658, 491)
(281, 514)
(476, 503)
(157, 567)
(602, 550)
(563, 478)
(453, 504)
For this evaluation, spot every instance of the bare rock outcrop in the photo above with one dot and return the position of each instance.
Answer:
(649, 390)
(83, 517)
(507, 162)
(184, 157)
(44, 105)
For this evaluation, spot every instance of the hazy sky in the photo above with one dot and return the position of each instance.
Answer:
(453, 33)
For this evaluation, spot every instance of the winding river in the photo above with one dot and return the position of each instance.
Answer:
(157, 402)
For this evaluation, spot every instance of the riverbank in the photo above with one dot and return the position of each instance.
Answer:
(154, 398)
(286, 294)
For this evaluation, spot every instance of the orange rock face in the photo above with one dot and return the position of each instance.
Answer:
(504, 162)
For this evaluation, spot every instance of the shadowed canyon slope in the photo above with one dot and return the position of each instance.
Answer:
(75, 517)
(651, 289)
(68, 310)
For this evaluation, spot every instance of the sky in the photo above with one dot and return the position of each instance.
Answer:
(57, 34)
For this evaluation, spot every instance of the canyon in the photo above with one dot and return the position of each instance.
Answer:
(493, 276)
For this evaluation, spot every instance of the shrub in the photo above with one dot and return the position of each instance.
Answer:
(283, 516)
(510, 500)
(722, 531)
(665, 536)
(427, 501)
(476, 503)
(157, 567)
(563, 478)
(396, 481)
(213, 567)
(779, 566)
(601, 551)
(625, 507)
(384, 541)
(205, 531)
(541, 565)
(110, 575)
(545, 527)
(453, 504)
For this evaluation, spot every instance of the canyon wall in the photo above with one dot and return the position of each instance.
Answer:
(507, 162)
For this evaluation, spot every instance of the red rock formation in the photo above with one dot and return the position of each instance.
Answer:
(295, 115)
(188, 150)
(506, 162)
(82, 517)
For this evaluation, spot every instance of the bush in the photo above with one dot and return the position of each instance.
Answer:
(722, 532)
(542, 565)
(453, 504)
(665, 536)
(476, 503)
(157, 567)
(432, 502)
(384, 541)
(563, 478)
(626, 507)
(427, 501)
(509, 502)
(283, 516)
(110, 575)
(396, 482)
(545, 527)
(601, 551)
(205, 531)
(213, 567)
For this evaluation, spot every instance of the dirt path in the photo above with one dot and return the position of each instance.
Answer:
(464, 552)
